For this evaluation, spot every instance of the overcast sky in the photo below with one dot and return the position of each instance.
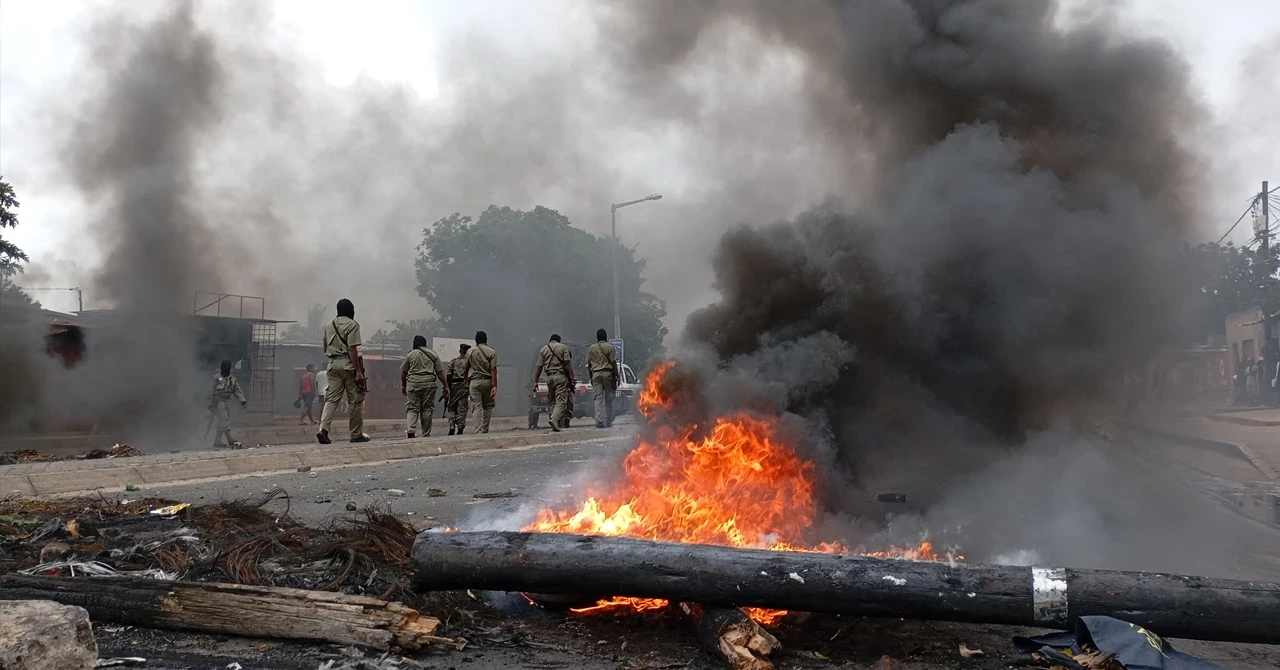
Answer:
(401, 41)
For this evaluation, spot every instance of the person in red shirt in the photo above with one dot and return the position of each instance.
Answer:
(307, 393)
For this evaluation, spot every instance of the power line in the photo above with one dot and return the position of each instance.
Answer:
(1242, 215)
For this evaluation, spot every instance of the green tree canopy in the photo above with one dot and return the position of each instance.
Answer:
(522, 275)
(11, 257)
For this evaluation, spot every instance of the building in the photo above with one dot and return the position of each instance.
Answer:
(1245, 334)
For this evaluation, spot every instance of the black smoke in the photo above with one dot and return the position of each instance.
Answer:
(1009, 251)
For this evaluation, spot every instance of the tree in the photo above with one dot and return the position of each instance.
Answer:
(11, 257)
(402, 332)
(1230, 279)
(309, 331)
(522, 275)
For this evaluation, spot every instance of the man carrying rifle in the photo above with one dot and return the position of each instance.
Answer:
(455, 408)
(225, 389)
(554, 359)
(345, 374)
(602, 361)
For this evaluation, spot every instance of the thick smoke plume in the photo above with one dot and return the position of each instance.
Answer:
(1016, 190)
(1011, 255)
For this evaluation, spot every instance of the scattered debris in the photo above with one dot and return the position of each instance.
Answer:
(313, 475)
(122, 661)
(304, 468)
(503, 494)
(395, 493)
(436, 493)
(117, 451)
(131, 487)
(966, 652)
(322, 501)
(33, 456)
(169, 510)
(351, 507)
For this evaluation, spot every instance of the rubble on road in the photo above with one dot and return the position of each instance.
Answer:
(32, 456)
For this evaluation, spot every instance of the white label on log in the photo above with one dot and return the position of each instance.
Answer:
(896, 581)
(796, 577)
(1049, 595)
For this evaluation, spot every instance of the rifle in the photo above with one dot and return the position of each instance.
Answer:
(209, 424)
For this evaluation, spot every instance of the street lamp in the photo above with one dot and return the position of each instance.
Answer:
(613, 213)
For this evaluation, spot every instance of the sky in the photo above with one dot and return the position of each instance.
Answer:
(414, 47)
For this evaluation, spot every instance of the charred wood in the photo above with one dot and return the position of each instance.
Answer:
(1170, 605)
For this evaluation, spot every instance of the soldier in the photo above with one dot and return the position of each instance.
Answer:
(455, 408)
(418, 375)
(602, 360)
(225, 387)
(345, 374)
(482, 375)
(554, 357)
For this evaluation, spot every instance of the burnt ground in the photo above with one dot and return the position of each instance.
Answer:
(634, 642)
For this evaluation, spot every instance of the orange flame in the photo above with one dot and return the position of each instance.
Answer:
(735, 485)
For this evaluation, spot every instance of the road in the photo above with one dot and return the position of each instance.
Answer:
(431, 491)
(442, 490)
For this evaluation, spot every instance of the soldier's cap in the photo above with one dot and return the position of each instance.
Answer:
(464, 347)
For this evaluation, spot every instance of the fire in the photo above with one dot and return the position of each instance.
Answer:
(735, 485)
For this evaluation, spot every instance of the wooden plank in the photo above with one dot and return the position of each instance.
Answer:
(234, 609)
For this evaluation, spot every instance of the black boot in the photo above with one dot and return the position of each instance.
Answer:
(451, 431)
(323, 437)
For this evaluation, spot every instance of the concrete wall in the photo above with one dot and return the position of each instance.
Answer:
(1245, 341)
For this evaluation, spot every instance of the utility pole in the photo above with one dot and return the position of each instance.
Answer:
(1268, 271)
(613, 227)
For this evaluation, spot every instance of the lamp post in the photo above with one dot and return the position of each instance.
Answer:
(613, 226)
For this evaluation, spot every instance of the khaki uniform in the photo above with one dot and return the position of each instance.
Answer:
(483, 360)
(554, 358)
(225, 389)
(456, 409)
(342, 374)
(420, 367)
(601, 359)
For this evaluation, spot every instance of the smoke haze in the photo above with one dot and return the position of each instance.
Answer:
(949, 222)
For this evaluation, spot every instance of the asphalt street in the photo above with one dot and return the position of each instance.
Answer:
(440, 490)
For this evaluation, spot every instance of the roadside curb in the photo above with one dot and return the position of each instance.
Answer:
(1232, 449)
(1241, 420)
(271, 460)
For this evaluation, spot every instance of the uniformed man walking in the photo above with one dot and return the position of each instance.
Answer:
(345, 373)
(225, 387)
(602, 360)
(482, 375)
(455, 408)
(554, 358)
(418, 374)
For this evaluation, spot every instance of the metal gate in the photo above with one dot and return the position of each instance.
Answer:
(262, 376)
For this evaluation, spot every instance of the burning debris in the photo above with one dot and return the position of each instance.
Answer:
(734, 484)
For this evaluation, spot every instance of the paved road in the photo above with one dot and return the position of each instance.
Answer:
(535, 476)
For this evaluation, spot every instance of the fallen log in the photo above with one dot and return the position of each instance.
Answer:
(1171, 605)
(234, 609)
(730, 635)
